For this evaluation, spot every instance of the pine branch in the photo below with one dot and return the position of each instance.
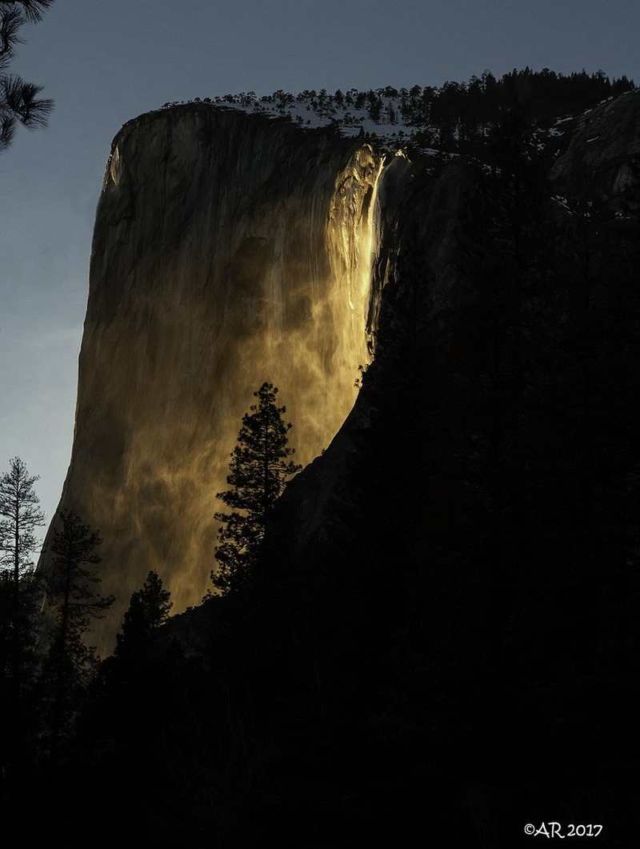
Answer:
(11, 21)
(21, 99)
(33, 10)
(7, 130)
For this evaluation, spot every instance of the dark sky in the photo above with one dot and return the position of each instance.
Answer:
(105, 61)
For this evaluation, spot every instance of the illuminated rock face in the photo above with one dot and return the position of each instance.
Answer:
(228, 250)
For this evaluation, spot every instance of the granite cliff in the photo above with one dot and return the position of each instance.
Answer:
(229, 249)
(232, 248)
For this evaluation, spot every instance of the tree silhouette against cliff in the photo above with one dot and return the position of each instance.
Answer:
(20, 516)
(259, 470)
(19, 102)
(73, 596)
(148, 610)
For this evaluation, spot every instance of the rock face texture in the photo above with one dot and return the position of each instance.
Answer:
(604, 154)
(228, 250)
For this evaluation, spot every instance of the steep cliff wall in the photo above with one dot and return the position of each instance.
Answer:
(228, 250)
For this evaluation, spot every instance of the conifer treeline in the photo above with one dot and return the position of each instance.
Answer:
(543, 96)
(47, 666)
(50, 675)
(455, 116)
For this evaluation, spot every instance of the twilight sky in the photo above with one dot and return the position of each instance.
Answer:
(105, 62)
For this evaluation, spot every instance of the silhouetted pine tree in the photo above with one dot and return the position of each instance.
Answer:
(20, 515)
(75, 601)
(259, 469)
(19, 100)
(148, 610)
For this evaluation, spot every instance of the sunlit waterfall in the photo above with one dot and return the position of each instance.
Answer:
(312, 333)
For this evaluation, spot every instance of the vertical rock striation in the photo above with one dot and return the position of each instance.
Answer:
(228, 250)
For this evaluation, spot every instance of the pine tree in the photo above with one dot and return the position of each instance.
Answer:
(259, 470)
(19, 101)
(148, 610)
(75, 601)
(20, 516)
